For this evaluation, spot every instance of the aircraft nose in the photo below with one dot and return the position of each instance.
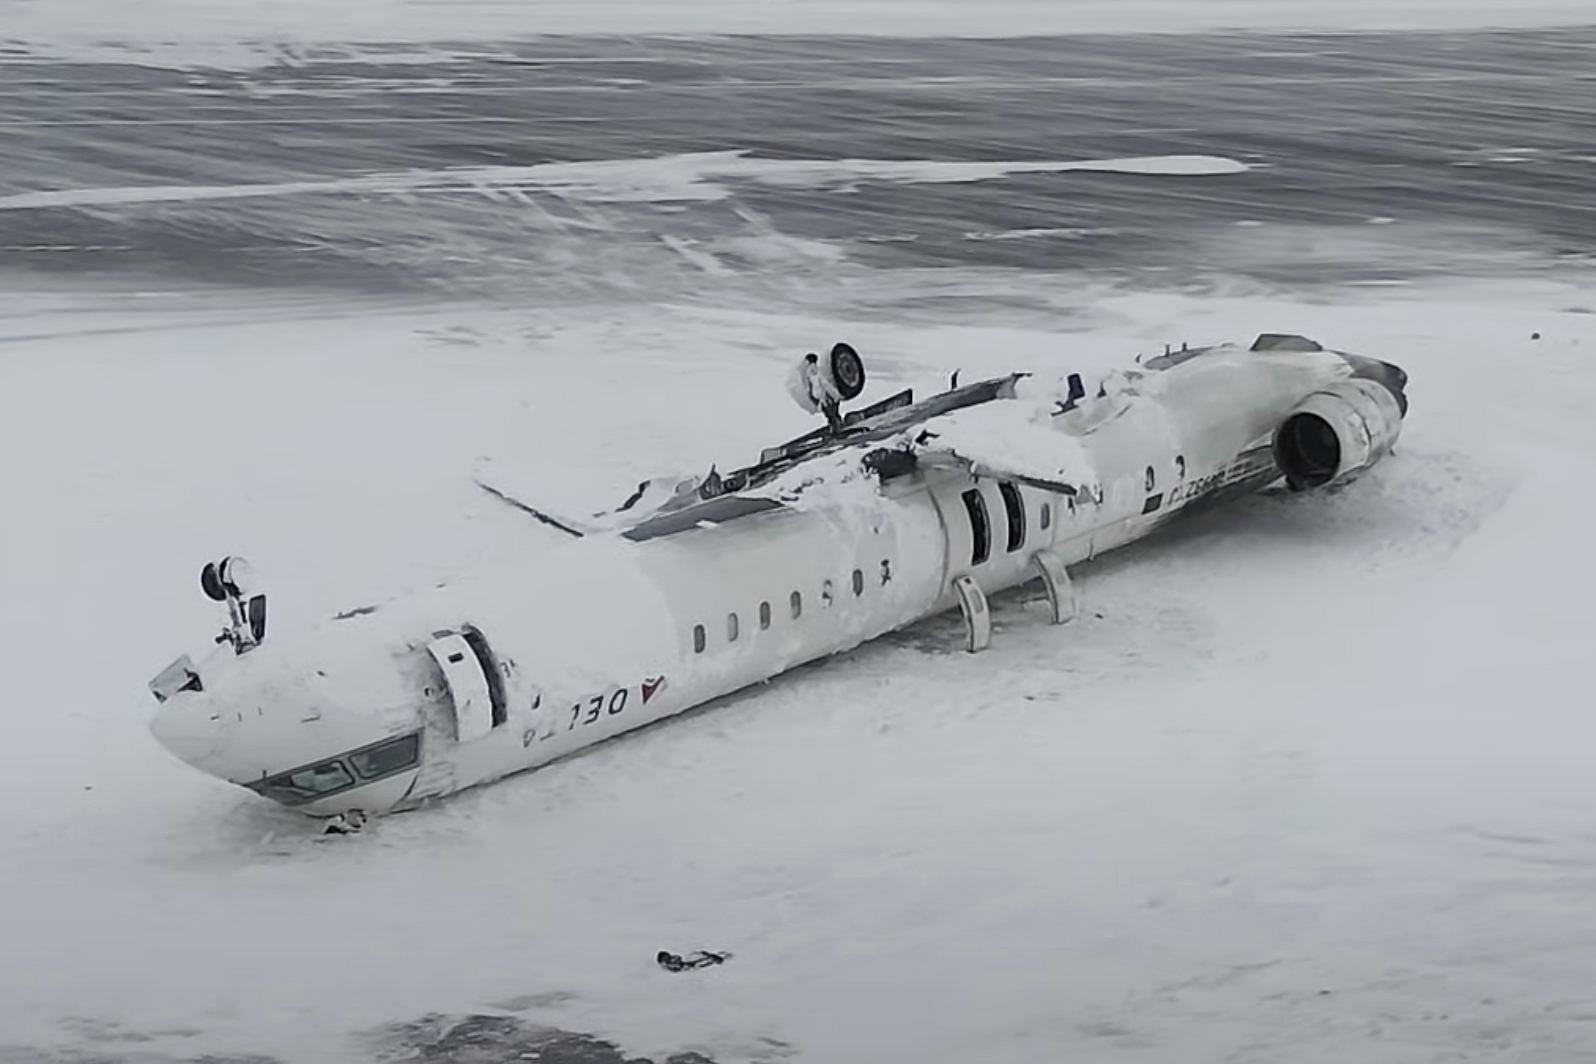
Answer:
(189, 728)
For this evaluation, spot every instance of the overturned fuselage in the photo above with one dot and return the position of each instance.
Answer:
(885, 517)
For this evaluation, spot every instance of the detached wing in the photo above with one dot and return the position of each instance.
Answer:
(527, 493)
(564, 524)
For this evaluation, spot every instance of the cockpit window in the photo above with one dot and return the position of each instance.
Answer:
(307, 784)
(333, 775)
(320, 779)
(396, 755)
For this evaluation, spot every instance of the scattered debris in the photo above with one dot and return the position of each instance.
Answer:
(350, 823)
(702, 958)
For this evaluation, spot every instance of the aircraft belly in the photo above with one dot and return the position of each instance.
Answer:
(575, 680)
(682, 621)
(856, 573)
(713, 587)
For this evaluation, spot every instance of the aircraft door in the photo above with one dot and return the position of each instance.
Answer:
(471, 687)
(976, 520)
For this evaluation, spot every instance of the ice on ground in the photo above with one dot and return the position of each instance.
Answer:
(683, 177)
(1306, 778)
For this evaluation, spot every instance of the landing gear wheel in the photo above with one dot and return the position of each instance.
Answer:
(211, 583)
(847, 371)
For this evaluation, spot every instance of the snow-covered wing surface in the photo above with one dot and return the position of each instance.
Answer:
(1009, 439)
(532, 493)
(664, 505)
(561, 523)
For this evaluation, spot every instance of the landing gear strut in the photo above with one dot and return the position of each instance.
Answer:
(977, 615)
(1060, 589)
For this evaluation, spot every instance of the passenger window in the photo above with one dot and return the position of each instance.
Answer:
(797, 603)
(858, 583)
(764, 615)
(731, 628)
(1014, 509)
(1047, 516)
(1152, 478)
(700, 640)
(980, 532)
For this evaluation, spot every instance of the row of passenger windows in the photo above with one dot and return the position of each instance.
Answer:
(980, 551)
(1013, 512)
(795, 607)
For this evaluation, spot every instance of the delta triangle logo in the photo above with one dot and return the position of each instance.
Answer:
(652, 686)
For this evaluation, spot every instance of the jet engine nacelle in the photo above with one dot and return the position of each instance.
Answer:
(1337, 432)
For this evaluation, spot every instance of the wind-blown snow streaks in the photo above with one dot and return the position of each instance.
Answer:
(677, 177)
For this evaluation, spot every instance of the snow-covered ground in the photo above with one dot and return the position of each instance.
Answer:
(1307, 781)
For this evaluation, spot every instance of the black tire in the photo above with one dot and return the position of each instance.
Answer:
(211, 583)
(847, 371)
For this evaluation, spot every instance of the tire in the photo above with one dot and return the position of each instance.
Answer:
(847, 371)
(211, 583)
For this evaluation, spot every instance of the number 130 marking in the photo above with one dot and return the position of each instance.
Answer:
(596, 707)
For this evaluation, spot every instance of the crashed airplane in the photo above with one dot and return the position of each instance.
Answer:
(698, 587)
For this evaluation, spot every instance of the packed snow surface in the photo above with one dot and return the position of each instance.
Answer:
(1307, 778)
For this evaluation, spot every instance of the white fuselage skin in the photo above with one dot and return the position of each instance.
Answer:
(603, 635)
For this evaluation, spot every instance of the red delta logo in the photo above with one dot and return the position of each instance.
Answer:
(651, 686)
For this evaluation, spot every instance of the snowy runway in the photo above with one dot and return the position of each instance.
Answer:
(776, 168)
